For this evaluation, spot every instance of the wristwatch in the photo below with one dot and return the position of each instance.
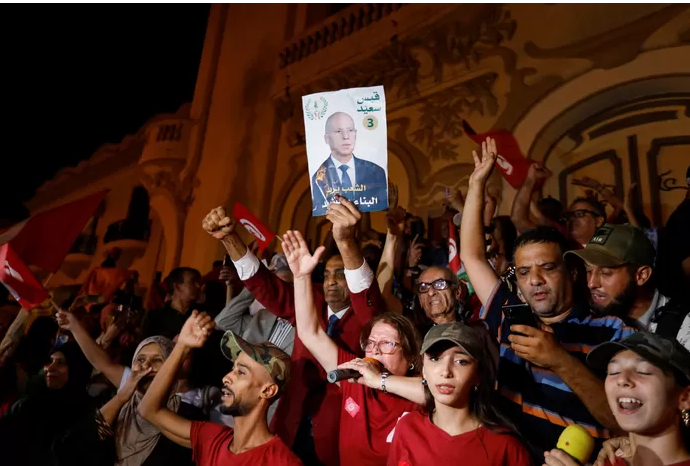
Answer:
(384, 376)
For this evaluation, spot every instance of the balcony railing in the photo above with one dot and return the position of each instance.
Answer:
(337, 27)
(85, 244)
(127, 230)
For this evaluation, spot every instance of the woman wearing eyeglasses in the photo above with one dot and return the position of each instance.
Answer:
(369, 413)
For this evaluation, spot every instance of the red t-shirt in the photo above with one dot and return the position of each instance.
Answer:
(211, 447)
(418, 442)
(621, 462)
(368, 421)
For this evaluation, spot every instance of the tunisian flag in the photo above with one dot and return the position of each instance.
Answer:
(454, 263)
(263, 234)
(511, 163)
(19, 280)
(44, 240)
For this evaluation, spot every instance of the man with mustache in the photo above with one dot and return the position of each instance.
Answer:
(543, 379)
(619, 260)
(259, 376)
(308, 417)
(441, 295)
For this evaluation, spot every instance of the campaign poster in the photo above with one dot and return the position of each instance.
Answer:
(347, 147)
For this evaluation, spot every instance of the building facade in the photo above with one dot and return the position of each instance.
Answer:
(589, 90)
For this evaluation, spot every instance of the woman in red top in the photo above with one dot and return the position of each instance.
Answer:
(460, 425)
(648, 389)
(369, 413)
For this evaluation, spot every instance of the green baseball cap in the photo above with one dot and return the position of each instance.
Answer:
(616, 245)
(666, 353)
(475, 339)
(272, 358)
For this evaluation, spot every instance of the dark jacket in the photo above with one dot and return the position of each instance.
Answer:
(367, 174)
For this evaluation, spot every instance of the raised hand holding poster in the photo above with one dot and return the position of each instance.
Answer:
(347, 147)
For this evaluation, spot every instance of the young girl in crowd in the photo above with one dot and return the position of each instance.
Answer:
(369, 414)
(460, 425)
(648, 390)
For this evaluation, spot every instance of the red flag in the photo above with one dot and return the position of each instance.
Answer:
(512, 164)
(44, 239)
(19, 280)
(253, 225)
(454, 262)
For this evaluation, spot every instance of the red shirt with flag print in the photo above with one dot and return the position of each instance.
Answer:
(211, 447)
(368, 421)
(418, 442)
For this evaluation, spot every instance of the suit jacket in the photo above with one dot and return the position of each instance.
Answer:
(366, 173)
(308, 389)
(255, 328)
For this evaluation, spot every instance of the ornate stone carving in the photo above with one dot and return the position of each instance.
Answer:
(338, 27)
(464, 43)
(394, 67)
(615, 47)
(455, 42)
(667, 182)
(442, 114)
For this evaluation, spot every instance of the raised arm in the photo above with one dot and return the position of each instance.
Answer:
(96, 355)
(345, 218)
(153, 406)
(222, 227)
(364, 290)
(110, 410)
(606, 193)
(270, 290)
(522, 204)
(309, 328)
(395, 218)
(472, 243)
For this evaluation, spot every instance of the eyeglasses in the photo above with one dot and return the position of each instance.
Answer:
(579, 213)
(384, 346)
(439, 285)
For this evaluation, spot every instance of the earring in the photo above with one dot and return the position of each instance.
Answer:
(411, 366)
(476, 388)
(424, 382)
(685, 414)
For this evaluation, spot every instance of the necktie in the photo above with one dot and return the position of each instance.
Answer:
(332, 320)
(346, 182)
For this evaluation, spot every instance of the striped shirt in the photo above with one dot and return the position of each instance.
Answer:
(536, 399)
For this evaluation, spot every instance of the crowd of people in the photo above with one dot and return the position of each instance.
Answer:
(370, 350)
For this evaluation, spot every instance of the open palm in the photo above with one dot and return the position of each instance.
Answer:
(300, 260)
(484, 166)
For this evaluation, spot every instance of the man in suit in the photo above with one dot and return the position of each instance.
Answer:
(308, 416)
(343, 171)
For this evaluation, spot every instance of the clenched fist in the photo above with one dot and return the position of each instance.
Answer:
(218, 224)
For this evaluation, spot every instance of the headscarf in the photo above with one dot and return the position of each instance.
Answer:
(135, 437)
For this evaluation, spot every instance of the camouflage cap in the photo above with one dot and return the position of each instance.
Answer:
(616, 245)
(274, 360)
(666, 353)
(457, 333)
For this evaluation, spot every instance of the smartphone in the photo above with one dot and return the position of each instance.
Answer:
(519, 314)
(227, 262)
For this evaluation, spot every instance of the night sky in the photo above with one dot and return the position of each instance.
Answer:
(78, 76)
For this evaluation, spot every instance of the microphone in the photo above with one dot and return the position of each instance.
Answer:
(344, 374)
(577, 442)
